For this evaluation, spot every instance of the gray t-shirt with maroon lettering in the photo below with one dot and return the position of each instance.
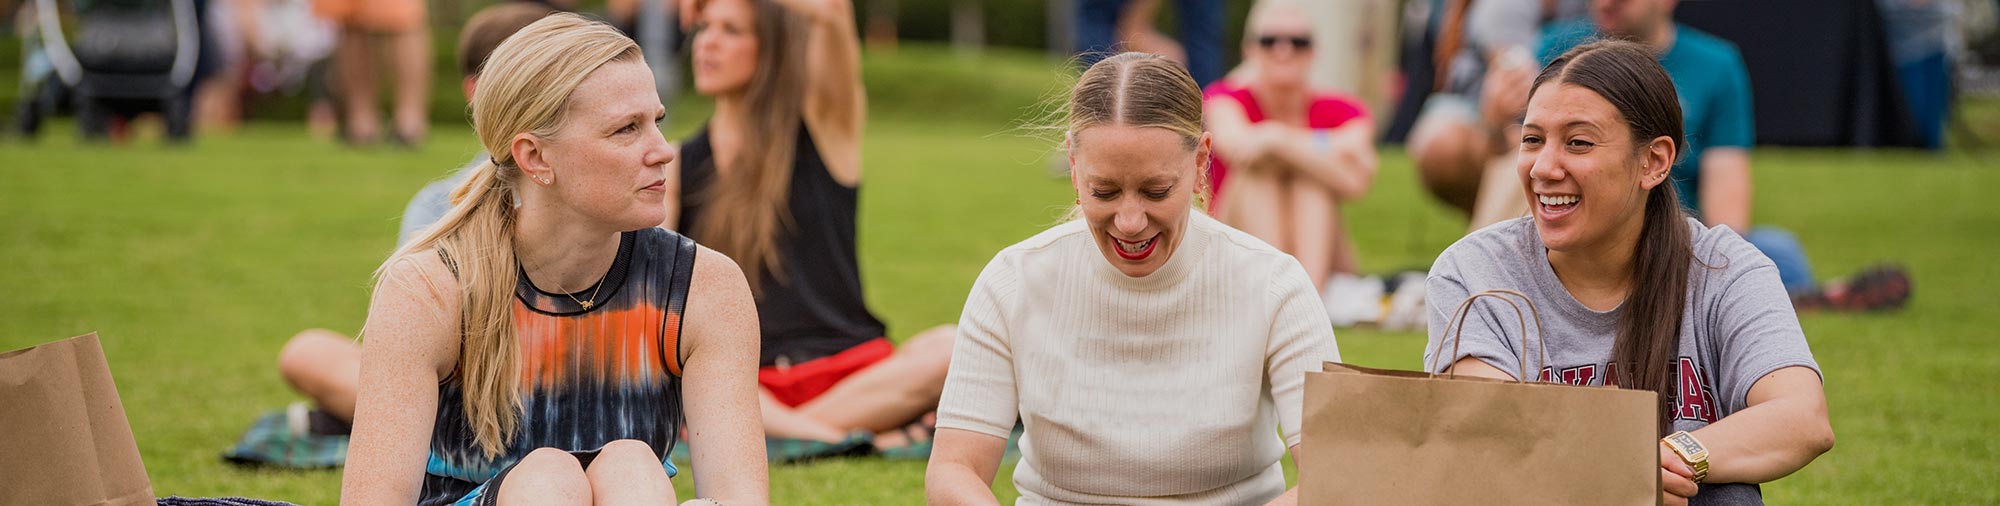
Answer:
(1738, 324)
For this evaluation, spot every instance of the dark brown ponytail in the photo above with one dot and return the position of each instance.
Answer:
(1645, 356)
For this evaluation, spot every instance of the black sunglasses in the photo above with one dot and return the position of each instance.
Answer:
(1297, 41)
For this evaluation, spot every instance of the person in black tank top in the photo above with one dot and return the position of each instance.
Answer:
(547, 342)
(773, 181)
(816, 309)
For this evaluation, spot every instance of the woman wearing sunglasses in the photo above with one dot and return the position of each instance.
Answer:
(1286, 156)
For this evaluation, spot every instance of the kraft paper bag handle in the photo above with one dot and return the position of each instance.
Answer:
(1465, 309)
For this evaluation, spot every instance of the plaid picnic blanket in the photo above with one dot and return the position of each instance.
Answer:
(284, 438)
(218, 501)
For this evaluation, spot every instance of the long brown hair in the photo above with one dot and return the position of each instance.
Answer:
(525, 87)
(1646, 352)
(746, 209)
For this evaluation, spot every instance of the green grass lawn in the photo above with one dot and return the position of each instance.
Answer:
(196, 263)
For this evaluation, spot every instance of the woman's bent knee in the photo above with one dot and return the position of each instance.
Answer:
(545, 476)
(628, 472)
(933, 349)
(627, 450)
(305, 356)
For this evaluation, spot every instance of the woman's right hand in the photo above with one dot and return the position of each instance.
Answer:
(1676, 478)
(1261, 150)
(1503, 97)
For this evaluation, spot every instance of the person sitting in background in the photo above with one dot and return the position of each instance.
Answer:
(547, 342)
(325, 365)
(1147, 349)
(1460, 136)
(1286, 156)
(370, 28)
(773, 181)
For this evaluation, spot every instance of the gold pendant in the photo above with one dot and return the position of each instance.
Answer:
(586, 305)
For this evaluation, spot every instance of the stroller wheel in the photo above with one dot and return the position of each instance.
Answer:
(27, 120)
(28, 114)
(180, 118)
(93, 119)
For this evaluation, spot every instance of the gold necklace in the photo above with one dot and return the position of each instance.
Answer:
(592, 301)
(587, 302)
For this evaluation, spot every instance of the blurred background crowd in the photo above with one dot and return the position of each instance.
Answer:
(1852, 72)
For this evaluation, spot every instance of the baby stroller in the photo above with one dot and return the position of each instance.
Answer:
(127, 57)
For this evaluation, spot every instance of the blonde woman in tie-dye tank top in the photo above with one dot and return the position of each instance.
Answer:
(546, 343)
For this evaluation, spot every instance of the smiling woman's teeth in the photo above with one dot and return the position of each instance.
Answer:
(1135, 247)
(1557, 200)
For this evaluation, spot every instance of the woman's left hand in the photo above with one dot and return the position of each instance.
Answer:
(1676, 478)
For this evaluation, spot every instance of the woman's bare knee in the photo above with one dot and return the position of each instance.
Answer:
(627, 450)
(1447, 145)
(545, 476)
(934, 342)
(314, 358)
(627, 471)
(931, 352)
(1449, 163)
(325, 366)
(303, 352)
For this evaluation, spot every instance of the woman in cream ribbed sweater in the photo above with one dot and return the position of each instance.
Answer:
(1148, 350)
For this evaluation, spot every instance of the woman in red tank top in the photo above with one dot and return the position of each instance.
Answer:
(1286, 156)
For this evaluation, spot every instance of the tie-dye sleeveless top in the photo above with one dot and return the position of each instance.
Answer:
(589, 376)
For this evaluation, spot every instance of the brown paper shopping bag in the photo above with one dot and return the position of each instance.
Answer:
(63, 436)
(1403, 437)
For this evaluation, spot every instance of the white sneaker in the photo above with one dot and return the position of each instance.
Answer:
(1407, 306)
(298, 418)
(1352, 300)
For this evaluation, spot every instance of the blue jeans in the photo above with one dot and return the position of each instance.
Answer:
(1200, 27)
(1784, 250)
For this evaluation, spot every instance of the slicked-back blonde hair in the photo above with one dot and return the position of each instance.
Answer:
(525, 87)
(1138, 90)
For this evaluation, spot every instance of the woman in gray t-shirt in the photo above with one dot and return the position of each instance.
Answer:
(1633, 292)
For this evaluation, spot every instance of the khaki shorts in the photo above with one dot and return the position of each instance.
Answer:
(373, 15)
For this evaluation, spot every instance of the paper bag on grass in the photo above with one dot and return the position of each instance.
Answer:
(63, 436)
(1376, 436)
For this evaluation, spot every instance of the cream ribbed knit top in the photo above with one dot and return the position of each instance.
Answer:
(1163, 389)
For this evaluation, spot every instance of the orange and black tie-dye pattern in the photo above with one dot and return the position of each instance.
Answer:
(588, 376)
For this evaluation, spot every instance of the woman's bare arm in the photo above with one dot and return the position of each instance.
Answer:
(409, 343)
(720, 384)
